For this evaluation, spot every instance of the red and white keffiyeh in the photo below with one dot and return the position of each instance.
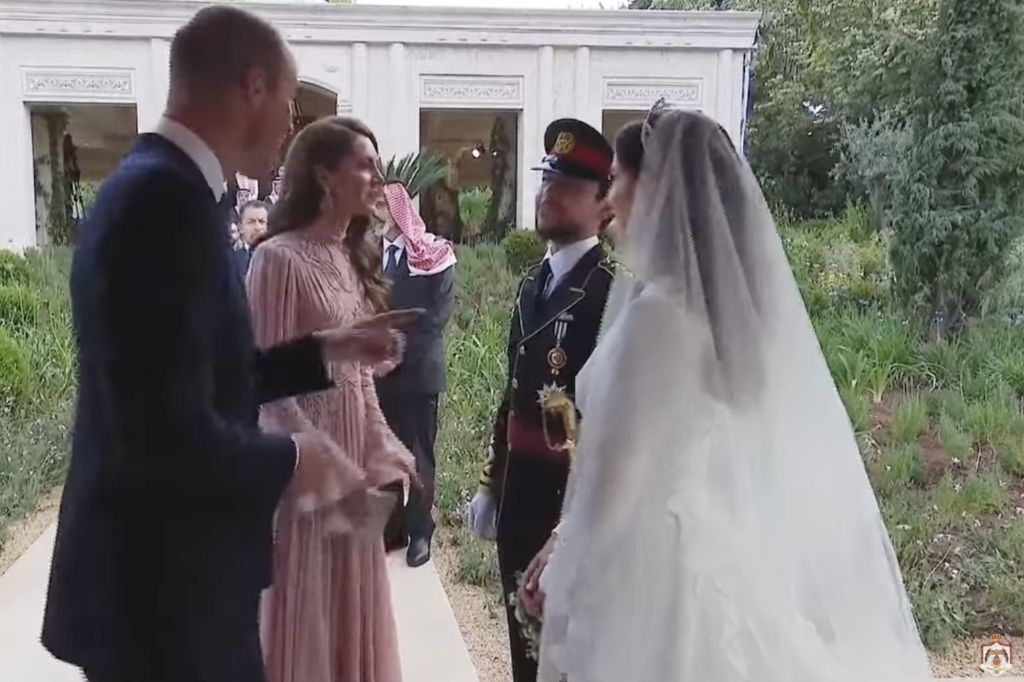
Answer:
(428, 253)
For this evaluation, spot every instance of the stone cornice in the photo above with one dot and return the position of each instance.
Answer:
(303, 23)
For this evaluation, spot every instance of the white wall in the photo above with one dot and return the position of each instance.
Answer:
(528, 62)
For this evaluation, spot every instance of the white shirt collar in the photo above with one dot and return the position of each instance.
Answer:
(197, 150)
(399, 242)
(566, 258)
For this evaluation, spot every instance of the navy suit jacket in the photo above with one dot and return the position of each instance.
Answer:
(423, 365)
(165, 530)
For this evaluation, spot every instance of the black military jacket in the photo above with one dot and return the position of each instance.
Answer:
(549, 342)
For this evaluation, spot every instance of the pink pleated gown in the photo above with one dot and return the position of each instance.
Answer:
(328, 616)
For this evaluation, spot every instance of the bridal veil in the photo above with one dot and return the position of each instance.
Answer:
(719, 523)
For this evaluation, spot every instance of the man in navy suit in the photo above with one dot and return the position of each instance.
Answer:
(165, 530)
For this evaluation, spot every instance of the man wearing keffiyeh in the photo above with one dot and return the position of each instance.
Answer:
(420, 267)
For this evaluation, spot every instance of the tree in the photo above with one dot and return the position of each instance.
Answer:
(416, 171)
(501, 212)
(959, 199)
(871, 155)
(819, 68)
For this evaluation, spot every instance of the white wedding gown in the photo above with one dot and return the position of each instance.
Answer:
(719, 525)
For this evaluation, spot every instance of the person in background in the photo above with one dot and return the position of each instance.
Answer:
(554, 329)
(250, 227)
(276, 187)
(248, 190)
(253, 222)
(421, 270)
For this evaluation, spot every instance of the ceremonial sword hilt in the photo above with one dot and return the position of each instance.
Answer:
(554, 401)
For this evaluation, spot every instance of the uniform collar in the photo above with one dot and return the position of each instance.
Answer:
(197, 150)
(565, 259)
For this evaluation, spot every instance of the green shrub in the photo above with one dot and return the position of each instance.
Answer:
(15, 373)
(858, 407)
(17, 308)
(13, 268)
(977, 494)
(910, 420)
(1011, 457)
(954, 439)
(523, 248)
(940, 611)
(474, 202)
(902, 467)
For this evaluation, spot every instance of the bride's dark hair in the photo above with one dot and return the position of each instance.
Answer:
(325, 144)
(629, 146)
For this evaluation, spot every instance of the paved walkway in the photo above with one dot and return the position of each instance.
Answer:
(432, 648)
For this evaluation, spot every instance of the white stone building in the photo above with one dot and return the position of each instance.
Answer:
(105, 61)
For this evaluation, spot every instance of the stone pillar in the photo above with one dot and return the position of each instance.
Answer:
(358, 67)
(538, 112)
(403, 136)
(152, 86)
(728, 93)
(585, 108)
(18, 228)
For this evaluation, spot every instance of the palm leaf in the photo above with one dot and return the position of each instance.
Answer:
(416, 171)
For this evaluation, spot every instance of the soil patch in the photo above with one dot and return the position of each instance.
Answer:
(22, 534)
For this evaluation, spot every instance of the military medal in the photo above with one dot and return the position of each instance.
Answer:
(557, 357)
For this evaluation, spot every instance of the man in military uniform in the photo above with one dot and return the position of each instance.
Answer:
(554, 329)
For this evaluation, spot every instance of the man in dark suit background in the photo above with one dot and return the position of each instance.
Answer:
(421, 270)
(252, 226)
(165, 529)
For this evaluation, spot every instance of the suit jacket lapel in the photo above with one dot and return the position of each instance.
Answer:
(526, 304)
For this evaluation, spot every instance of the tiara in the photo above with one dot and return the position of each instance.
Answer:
(649, 119)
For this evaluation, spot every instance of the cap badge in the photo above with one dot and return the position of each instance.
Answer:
(564, 144)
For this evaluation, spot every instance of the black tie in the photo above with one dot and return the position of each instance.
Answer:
(542, 281)
(392, 267)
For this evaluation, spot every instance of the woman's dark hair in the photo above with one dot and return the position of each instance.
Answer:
(324, 144)
(629, 146)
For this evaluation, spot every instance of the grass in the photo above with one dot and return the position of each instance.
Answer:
(940, 423)
(34, 430)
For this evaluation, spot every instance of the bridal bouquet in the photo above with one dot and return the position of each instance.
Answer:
(529, 626)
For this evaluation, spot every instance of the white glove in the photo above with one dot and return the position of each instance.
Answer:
(482, 516)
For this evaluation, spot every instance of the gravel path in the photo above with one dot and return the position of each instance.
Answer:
(479, 613)
(483, 626)
(962, 659)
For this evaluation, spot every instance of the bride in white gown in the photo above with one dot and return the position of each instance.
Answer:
(719, 524)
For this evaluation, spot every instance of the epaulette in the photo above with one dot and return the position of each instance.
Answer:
(610, 265)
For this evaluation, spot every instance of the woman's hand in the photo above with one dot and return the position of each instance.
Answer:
(531, 594)
(372, 340)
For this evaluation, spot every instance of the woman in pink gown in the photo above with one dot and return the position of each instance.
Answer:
(328, 616)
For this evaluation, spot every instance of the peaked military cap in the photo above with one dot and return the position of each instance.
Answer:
(574, 148)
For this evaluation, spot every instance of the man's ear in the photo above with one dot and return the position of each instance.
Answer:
(607, 213)
(255, 84)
